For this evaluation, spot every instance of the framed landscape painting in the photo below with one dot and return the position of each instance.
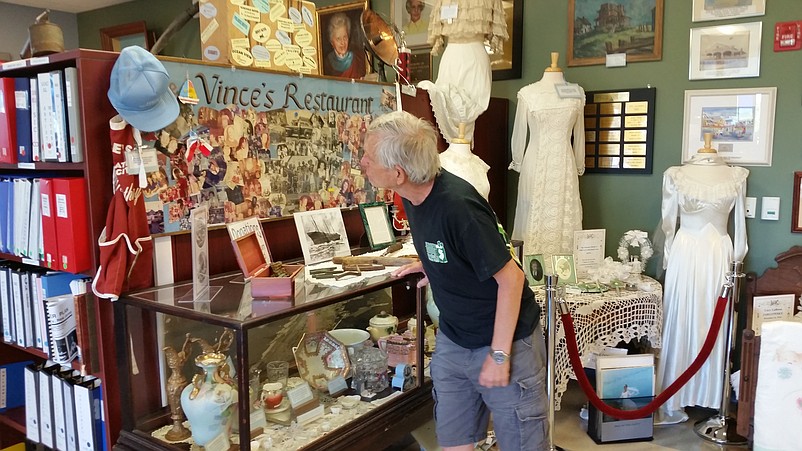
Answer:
(597, 28)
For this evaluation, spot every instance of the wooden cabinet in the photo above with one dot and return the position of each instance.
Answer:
(267, 330)
(93, 70)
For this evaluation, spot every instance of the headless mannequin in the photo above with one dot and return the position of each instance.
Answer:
(460, 161)
(700, 196)
(548, 209)
(462, 89)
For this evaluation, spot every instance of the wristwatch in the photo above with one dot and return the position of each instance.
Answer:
(500, 357)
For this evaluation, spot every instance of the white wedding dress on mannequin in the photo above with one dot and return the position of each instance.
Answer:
(699, 196)
(548, 209)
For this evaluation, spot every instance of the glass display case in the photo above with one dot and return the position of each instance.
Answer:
(239, 372)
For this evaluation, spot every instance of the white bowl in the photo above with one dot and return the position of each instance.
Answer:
(350, 337)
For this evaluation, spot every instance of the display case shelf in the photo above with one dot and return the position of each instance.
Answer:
(264, 330)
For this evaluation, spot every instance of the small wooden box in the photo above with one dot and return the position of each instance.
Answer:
(256, 268)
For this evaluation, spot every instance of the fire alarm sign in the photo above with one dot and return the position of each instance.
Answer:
(787, 36)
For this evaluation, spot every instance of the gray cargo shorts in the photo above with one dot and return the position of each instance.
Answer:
(463, 407)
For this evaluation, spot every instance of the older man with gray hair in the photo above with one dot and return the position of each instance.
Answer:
(490, 354)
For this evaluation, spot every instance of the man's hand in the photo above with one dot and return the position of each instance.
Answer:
(412, 268)
(493, 374)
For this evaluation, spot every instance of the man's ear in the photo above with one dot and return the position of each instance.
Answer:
(400, 175)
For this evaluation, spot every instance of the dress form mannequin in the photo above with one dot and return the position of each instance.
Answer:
(462, 89)
(460, 161)
(700, 194)
(549, 209)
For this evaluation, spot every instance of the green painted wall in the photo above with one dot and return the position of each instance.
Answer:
(622, 202)
(615, 202)
(156, 13)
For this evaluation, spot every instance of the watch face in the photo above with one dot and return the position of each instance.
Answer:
(498, 357)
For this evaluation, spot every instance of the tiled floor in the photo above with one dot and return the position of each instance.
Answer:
(570, 432)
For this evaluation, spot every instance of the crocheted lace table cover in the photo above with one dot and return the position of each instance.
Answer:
(601, 320)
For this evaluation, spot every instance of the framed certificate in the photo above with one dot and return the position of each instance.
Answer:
(377, 224)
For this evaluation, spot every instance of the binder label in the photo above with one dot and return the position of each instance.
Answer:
(3, 401)
(61, 206)
(46, 205)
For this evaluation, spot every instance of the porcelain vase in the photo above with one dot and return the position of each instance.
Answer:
(210, 400)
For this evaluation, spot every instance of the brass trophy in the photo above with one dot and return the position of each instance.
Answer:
(175, 385)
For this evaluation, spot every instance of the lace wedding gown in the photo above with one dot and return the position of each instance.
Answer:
(697, 257)
(549, 209)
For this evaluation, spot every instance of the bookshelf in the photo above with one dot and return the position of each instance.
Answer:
(93, 70)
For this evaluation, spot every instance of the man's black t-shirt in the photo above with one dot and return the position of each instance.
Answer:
(461, 246)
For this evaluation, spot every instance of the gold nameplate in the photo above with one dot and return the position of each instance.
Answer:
(606, 97)
(610, 136)
(637, 107)
(590, 137)
(608, 162)
(609, 149)
(590, 122)
(634, 135)
(611, 108)
(591, 108)
(635, 121)
(610, 122)
(590, 149)
(635, 163)
(634, 149)
(590, 162)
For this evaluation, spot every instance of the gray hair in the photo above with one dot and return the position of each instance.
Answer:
(407, 141)
(339, 20)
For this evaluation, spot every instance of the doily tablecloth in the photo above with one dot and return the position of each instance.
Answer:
(604, 319)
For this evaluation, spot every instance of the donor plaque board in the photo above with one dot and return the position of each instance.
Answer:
(619, 131)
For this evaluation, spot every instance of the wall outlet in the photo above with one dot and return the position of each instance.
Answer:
(751, 207)
(771, 208)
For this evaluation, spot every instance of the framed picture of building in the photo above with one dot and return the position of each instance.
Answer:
(597, 28)
(725, 51)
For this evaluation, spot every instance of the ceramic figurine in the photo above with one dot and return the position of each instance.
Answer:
(175, 384)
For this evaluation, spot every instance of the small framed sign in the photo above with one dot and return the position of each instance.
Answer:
(376, 219)
(564, 268)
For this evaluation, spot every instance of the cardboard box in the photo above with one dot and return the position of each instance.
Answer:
(256, 267)
(280, 35)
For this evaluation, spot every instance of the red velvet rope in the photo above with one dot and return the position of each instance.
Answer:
(704, 353)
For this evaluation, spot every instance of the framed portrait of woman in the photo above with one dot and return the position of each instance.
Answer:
(412, 17)
(341, 42)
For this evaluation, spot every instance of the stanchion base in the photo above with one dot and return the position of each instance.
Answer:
(719, 430)
(555, 448)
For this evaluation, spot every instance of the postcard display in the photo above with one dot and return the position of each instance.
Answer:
(619, 131)
(272, 34)
(266, 369)
(258, 143)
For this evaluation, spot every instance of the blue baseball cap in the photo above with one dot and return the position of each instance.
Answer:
(140, 90)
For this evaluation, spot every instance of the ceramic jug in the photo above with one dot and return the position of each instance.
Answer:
(210, 400)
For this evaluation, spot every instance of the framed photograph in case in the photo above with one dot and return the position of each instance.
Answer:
(564, 268)
(535, 269)
(376, 220)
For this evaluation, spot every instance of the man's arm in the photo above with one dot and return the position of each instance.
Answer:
(510, 281)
